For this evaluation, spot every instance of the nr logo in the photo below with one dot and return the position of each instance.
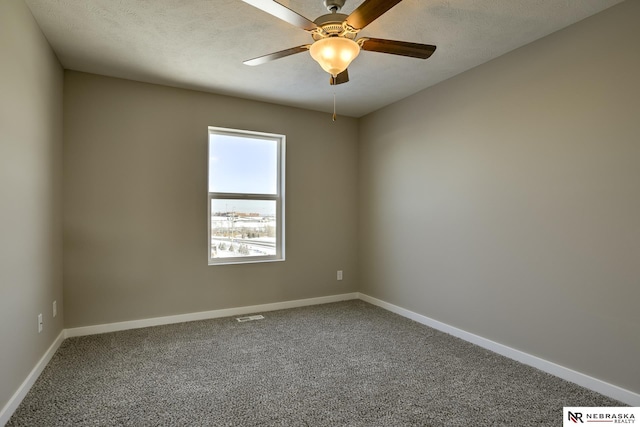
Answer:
(575, 417)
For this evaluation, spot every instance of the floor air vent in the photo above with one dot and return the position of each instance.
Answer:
(250, 318)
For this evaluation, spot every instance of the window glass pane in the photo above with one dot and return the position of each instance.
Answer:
(243, 228)
(239, 164)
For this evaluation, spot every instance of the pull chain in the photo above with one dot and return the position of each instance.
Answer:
(334, 108)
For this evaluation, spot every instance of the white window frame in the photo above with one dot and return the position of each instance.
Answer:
(278, 197)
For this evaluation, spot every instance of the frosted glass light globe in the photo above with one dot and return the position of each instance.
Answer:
(334, 54)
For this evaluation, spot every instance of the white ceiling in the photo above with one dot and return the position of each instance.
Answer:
(200, 44)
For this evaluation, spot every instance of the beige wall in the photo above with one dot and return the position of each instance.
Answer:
(135, 202)
(30, 202)
(506, 201)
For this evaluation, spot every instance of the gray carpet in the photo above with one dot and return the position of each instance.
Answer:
(342, 364)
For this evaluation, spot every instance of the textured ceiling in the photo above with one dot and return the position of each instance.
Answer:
(200, 44)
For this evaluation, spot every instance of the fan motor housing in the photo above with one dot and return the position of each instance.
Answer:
(331, 24)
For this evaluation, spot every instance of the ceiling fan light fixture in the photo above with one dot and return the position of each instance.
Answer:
(334, 54)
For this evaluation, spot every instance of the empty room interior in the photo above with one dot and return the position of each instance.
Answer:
(433, 215)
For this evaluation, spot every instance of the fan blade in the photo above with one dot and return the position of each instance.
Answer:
(369, 11)
(343, 77)
(276, 55)
(415, 50)
(280, 11)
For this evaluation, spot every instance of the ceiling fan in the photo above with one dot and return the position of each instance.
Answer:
(334, 34)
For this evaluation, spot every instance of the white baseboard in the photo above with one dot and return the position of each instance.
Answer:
(602, 387)
(14, 402)
(203, 315)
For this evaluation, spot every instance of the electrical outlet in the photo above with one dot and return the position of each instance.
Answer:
(339, 274)
(55, 308)
(39, 322)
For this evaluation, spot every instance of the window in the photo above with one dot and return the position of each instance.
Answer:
(246, 196)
